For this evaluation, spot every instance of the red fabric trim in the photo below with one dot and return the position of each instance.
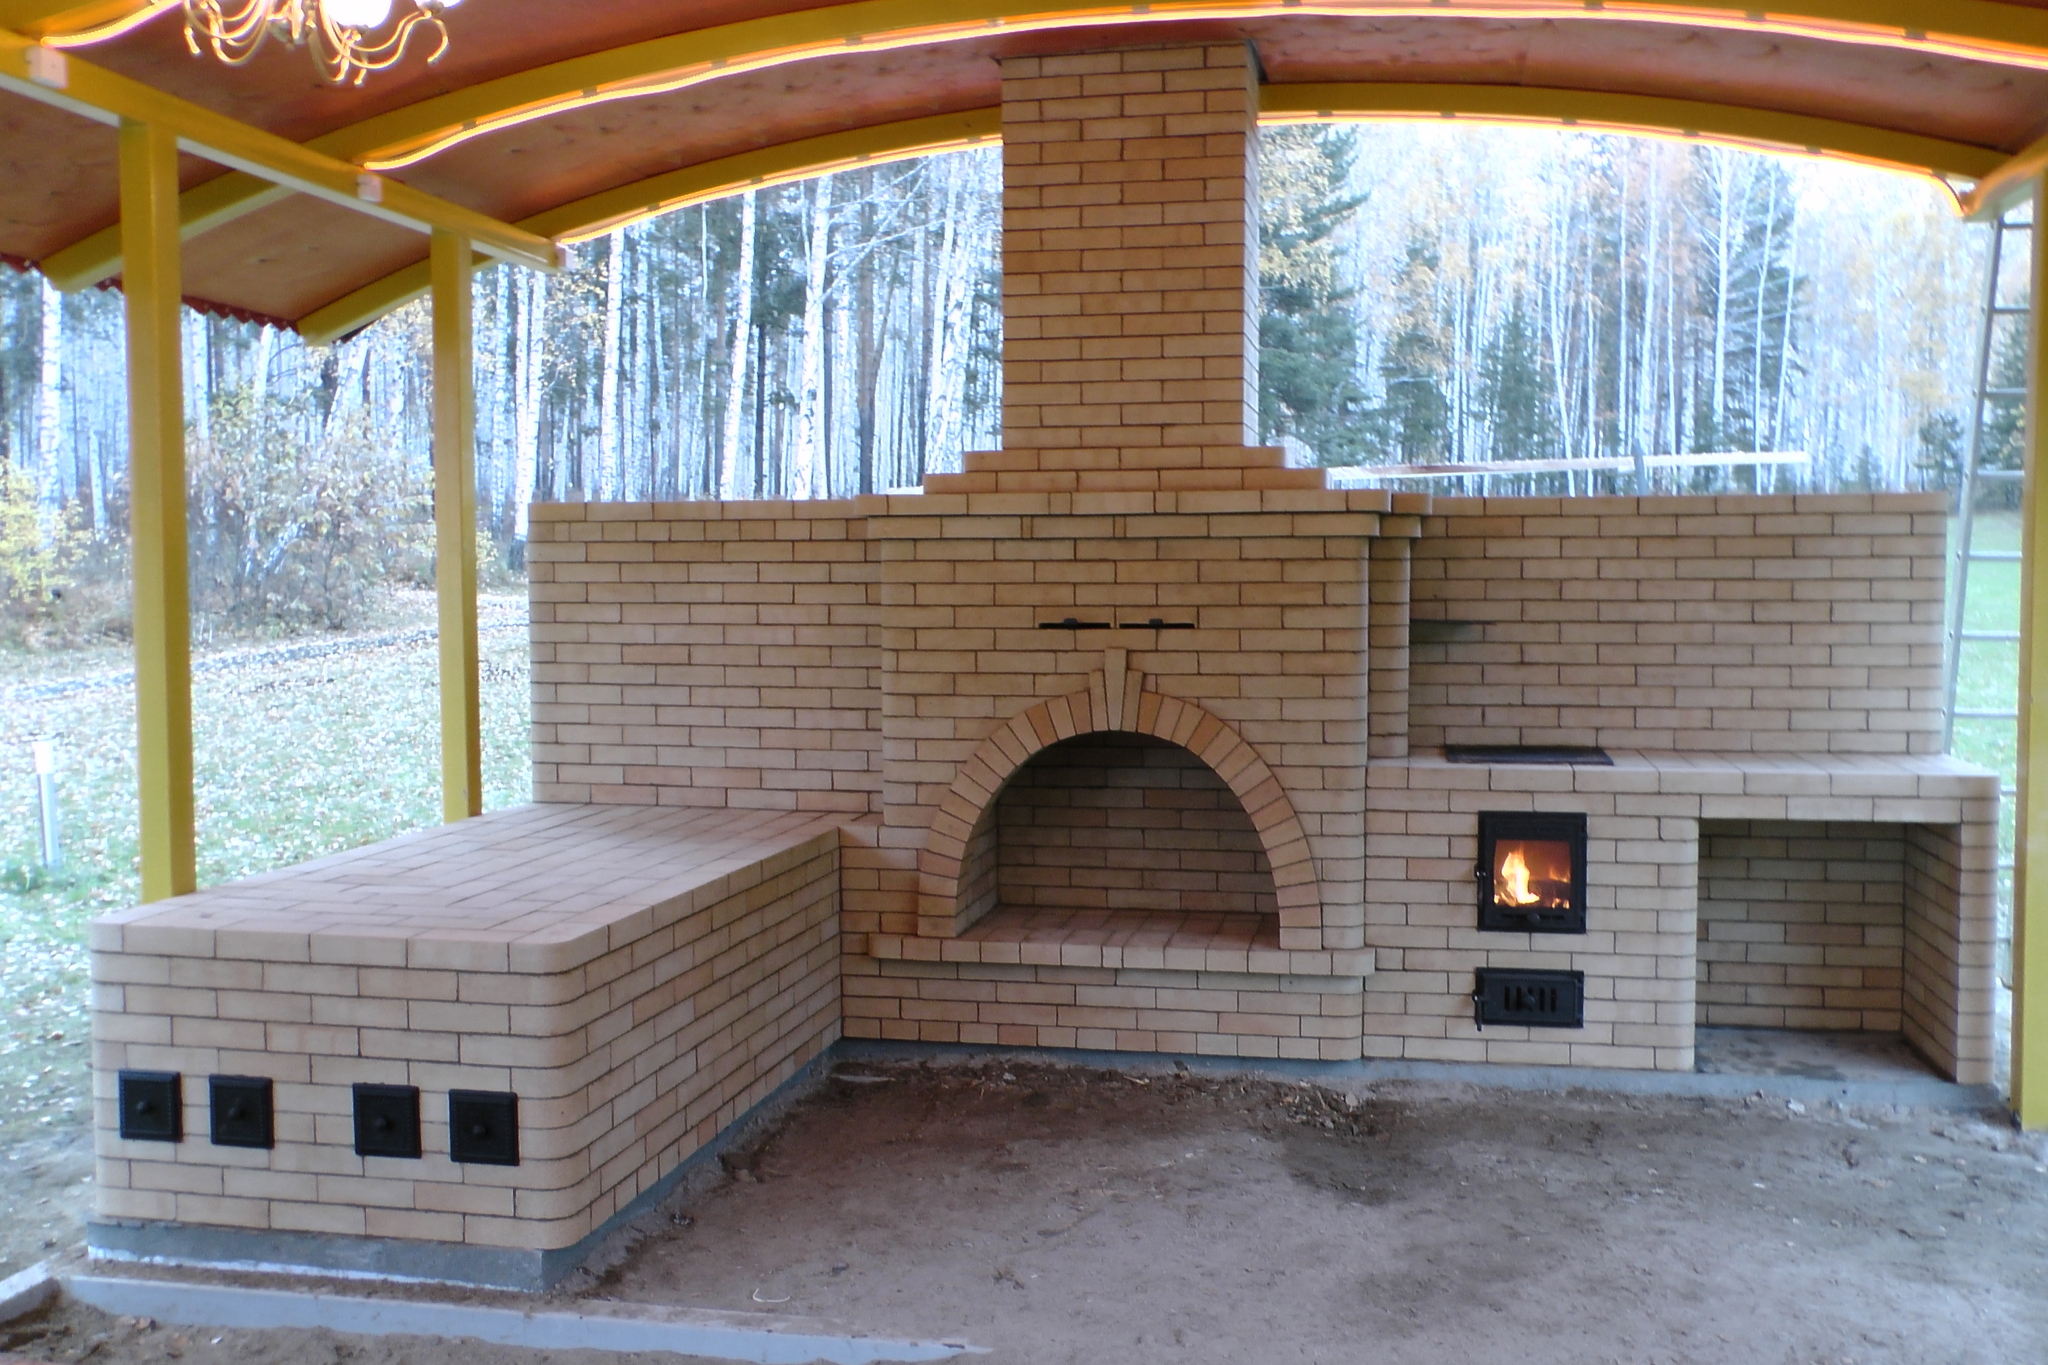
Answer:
(219, 310)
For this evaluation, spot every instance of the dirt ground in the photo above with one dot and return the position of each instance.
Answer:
(1057, 1214)
(73, 1333)
(46, 1192)
(1063, 1215)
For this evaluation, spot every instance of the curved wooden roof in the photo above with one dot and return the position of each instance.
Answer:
(568, 119)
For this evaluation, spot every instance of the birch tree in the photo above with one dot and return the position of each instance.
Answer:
(742, 327)
(806, 476)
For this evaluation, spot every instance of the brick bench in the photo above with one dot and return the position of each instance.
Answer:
(638, 977)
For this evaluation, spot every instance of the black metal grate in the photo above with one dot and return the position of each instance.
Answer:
(1539, 999)
(1538, 755)
(152, 1109)
(483, 1127)
(240, 1109)
(387, 1120)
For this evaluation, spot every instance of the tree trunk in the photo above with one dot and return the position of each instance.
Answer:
(742, 338)
(608, 468)
(528, 349)
(1724, 182)
(762, 473)
(49, 407)
(867, 355)
(806, 468)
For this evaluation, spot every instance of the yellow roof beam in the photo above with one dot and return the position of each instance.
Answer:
(56, 78)
(353, 311)
(2008, 184)
(44, 18)
(1980, 30)
(612, 209)
(801, 160)
(1640, 115)
(201, 209)
(1595, 111)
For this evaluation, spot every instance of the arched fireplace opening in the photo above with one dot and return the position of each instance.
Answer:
(1115, 824)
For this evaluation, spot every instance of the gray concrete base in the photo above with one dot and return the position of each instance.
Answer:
(390, 1258)
(595, 1326)
(26, 1290)
(1915, 1091)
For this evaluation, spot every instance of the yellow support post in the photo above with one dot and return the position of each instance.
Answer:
(2030, 874)
(156, 490)
(462, 776)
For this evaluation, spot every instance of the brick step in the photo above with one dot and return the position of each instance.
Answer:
(1134, 939)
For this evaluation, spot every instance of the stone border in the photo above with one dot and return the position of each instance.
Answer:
(611, 1327)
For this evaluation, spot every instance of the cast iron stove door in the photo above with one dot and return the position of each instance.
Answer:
(1532, 872)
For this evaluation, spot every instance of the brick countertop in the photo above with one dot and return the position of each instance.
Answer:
(536, 888)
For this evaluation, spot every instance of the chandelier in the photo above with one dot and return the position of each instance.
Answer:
(340, 35)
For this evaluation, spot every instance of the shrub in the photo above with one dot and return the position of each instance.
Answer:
(32, 554)
(296, 523)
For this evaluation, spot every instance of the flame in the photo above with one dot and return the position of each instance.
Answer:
(1511, 883)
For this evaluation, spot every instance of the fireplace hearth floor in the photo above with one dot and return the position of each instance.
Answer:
(1135, 939)
(1816, 1054)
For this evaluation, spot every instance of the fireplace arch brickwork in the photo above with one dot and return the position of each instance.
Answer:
(1122, 705)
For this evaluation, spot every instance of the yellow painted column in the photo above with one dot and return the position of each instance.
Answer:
(2030, 876)
(462, 778)
(156, 489)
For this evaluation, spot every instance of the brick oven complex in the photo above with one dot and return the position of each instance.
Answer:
(1126, 737)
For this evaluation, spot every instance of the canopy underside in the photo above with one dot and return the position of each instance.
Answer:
(291, 258)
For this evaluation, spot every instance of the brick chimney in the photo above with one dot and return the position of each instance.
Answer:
(1130, 230)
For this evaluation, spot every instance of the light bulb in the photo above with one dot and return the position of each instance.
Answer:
(358, 14)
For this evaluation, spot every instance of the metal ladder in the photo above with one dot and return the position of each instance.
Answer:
(1963, 551)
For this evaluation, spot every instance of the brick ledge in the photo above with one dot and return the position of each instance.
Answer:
(1158, 941)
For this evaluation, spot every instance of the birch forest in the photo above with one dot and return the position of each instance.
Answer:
(1431, 295)
(1506, 294)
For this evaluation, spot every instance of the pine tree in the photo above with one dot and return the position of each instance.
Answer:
(2005, 418)
(1308, 328)
(1414, 424)
(1942, 454)
(1515, 391)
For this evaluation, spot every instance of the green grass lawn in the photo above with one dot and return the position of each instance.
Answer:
(292, 761)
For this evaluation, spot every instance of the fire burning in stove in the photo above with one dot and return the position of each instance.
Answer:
(1533, 872)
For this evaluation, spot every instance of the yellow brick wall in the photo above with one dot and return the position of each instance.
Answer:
(1807, 624)
(1648, 925)
(1211, 1013)
(711, 654)
(1130, 213)
(1801, 925)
